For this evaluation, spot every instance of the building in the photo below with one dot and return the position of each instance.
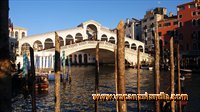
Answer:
(189, 27)
(149, 23)
(15, 34)
(133, 29)
(189, 32)
(167, 27)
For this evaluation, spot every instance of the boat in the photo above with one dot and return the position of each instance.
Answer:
(186, 70)
(51, 77)
(150, 68)
(147, 67)
(42, 82)
(144, 67)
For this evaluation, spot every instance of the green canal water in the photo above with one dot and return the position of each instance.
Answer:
(77, 96)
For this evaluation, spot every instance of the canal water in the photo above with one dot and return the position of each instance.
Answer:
(77, 96)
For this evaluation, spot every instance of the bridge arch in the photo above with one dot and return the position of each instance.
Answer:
(48, 43)
(140, 48)
(104, 37)
(112, 40)
(91, 31)
(69, 39)
(61, 41)
(37, 45)
(133, 46)
(78, 37)
(127, 45)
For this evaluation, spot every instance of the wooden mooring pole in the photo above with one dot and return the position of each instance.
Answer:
(116, 89)
(33, 80)
(172, 71)
(138, 78)
(64, 69)
(69, 70)
(57, 73)
(179, 75)
(157, 68)
(121, 65)
(97, 76)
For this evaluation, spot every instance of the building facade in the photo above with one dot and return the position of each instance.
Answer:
(189, 27)
(167, 28)
(149, 23)
(15, 34)
(133, 29)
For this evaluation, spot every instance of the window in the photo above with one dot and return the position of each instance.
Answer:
(160, 25)
(180, 24)
(198, 13)
(170, 33)
(152, 25)
(194, 35)
(181, 7)
(23, 34)
(145, 27)
(160, 33)
(16, 34)
(12, 34)
(144, 20)
(198, 35)
(194, 46)
(175, 23)
(194, 13)
(167, 24)
(194, 22)
(198, 21)
(191, 5)
(176, 32)
(180, 16)
(152, 18)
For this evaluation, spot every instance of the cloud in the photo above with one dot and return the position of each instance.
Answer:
(159, 2)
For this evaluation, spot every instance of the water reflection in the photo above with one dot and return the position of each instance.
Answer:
(77, 96)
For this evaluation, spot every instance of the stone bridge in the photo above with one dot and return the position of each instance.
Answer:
(130, 54)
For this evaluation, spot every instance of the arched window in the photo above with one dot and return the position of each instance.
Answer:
(194, 46)
(23, 34)
(48, 43)
(37, 45)
(104, 38)
(133, 46)
(12, 33)
(140, 48)
(127, 45)
(16, 34)
(61, 41)
(80, 58)
(69, 40)
(79, 37)
(85, 59)
(112, 40)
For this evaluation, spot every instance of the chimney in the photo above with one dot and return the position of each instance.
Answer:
(170, 14)
(127, 21)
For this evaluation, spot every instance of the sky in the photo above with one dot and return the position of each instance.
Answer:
(41, 16)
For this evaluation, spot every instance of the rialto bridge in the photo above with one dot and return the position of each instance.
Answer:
(79, 44)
